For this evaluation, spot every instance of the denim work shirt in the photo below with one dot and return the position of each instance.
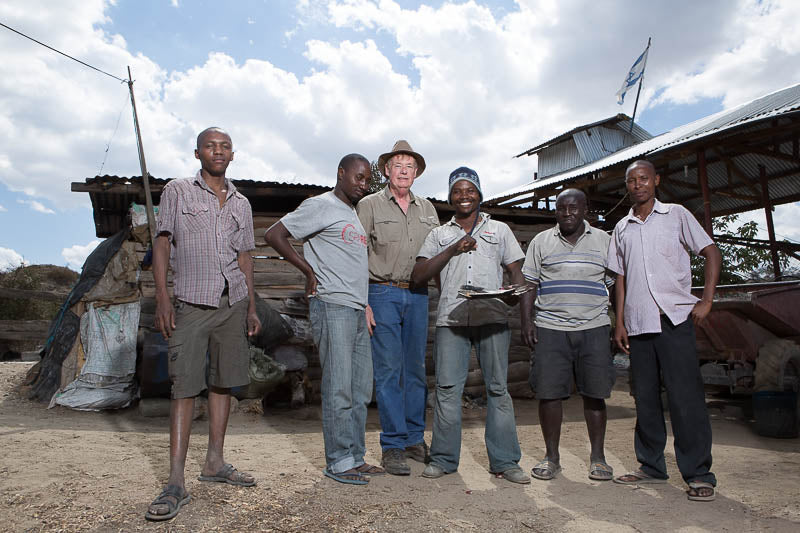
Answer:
(483, 268)
(654, 258)
(206, 240)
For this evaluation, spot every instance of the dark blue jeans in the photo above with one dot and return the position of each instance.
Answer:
(398, 358)
(672, 356)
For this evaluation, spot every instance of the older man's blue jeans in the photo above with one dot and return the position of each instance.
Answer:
(342, 339)
(453, 346)
(398, 355)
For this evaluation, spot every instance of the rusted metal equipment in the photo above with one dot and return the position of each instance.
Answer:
(743, 318)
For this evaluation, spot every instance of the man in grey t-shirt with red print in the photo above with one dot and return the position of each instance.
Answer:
(334, 262)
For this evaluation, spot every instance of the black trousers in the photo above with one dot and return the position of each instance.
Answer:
(670, 356)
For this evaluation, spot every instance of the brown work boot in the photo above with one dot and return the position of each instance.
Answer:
(418, 452)
(394, 462)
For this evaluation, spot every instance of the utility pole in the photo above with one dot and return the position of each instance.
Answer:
(151, 219)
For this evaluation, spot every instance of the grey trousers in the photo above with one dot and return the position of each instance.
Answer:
(670, 356)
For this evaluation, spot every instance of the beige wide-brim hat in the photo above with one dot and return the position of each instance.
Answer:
(401, 147)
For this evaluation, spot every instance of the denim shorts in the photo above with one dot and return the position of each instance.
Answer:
(220, 332)
(561, 356)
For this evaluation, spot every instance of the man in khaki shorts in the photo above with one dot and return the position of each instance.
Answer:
(205, 231)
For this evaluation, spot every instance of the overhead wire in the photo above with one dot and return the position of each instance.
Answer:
(63, 54)
(108, 144)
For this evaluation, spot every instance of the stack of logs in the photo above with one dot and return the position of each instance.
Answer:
(281, 285)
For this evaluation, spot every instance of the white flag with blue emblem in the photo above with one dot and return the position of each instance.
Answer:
(633, 77)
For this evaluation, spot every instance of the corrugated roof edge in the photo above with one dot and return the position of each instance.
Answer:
(681, 134)
(619, 117)
(162, 181)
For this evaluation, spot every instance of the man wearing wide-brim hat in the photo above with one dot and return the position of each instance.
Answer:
(396, 222)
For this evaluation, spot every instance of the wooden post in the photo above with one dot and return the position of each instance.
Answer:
(702, 176)
(151, 219)
(773, 246)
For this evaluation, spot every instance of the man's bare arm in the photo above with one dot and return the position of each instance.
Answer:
(711, 269)
(620, 333)
(278, 237)
(245, 262)
(427, 268)
(165, 314)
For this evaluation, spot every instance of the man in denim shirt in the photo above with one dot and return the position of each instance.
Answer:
(471, 249)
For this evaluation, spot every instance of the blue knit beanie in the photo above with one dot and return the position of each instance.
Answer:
(464, 173)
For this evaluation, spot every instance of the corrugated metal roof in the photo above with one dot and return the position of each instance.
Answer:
(769, 106)
(620, 120)
(560, 157)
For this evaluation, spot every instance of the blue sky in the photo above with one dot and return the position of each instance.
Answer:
(298, 84)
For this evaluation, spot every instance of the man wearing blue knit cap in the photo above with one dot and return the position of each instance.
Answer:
(471, 249)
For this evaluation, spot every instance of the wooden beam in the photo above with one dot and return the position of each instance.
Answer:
(755, 206)
(776, 265)
(737, 171)
(24, 330)
(773, 154)
(720, 191)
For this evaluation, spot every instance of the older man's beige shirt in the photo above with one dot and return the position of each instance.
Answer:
(394, 237)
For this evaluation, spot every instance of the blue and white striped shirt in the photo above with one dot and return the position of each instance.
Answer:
(572, 292)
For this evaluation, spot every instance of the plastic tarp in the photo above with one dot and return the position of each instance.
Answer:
(64, 328)
(106, 381)
(140, 229)
(265, 374)
(119, 282)
(274, 328)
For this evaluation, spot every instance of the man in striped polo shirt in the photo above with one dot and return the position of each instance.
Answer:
(571, 328)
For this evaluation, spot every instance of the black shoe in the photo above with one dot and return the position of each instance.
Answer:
(418, 452)
(394, 462)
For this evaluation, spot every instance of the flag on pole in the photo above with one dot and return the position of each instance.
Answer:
(633, 77)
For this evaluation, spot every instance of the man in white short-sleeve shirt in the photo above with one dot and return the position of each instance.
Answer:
(471, 249)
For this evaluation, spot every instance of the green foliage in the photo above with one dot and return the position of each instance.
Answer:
(34, 278)
(740, 264)
(376, 179)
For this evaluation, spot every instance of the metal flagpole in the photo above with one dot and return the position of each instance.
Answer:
(639, 91)
(151, 219)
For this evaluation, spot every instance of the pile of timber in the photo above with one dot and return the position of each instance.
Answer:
(281, 285)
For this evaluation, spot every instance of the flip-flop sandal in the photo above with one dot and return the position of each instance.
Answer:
(354, 478)
(696, 486)
(370, 470)
(549, 467)
(640, 478)
(228, 474)
(170, 491)
(601, 471)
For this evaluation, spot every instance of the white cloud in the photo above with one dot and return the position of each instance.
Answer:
(484, 86)
(9, 259)
(76, 255)
(174, 3)
(37, 206)
(3, 209)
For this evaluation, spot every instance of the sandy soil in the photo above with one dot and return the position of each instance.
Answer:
(63, 470)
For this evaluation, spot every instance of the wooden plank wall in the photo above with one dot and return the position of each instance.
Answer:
(277, 281)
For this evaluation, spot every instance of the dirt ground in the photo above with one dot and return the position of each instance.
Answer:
(63, 470)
